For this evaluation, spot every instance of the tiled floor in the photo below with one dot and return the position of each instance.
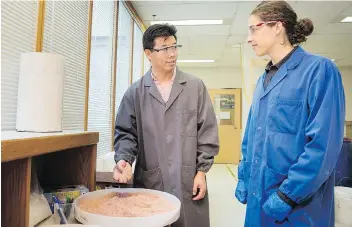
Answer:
(225, 210)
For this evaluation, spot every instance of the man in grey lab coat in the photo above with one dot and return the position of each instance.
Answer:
(166, 122)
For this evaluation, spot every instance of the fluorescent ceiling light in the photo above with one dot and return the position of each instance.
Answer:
(195, 61)
(189, 22)
(347, 20)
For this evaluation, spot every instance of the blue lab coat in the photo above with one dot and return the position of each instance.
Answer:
(292, 141)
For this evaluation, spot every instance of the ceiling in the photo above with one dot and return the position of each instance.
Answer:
(330, 37)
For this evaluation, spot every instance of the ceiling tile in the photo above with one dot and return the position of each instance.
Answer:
(204, 11)
(330, 38)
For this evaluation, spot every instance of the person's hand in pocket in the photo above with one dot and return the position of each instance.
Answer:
(276, 208)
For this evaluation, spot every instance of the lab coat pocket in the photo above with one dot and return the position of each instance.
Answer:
(152, 179)
(187, 177)
(284, 115)
(272, 181)
(189, 123)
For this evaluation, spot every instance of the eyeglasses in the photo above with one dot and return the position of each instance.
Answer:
(168, 49)
(255, 27)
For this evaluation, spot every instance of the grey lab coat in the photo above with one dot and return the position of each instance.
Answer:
(171, 141)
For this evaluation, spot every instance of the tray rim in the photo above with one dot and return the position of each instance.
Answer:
(106, 191)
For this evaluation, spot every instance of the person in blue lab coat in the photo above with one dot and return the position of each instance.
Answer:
(294, 131)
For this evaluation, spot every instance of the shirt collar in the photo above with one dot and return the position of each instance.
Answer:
(156, 80)
(280, 63)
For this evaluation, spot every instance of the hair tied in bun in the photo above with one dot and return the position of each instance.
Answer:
(306, 26)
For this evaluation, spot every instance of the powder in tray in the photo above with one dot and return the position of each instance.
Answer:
(115, 204)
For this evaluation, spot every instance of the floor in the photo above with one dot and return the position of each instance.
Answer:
(225, 210)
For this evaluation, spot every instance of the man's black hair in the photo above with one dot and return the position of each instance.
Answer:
(155, 31)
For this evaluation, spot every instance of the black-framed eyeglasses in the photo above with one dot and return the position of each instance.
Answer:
(168, 49)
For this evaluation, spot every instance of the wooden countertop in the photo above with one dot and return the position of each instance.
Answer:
(18, 145)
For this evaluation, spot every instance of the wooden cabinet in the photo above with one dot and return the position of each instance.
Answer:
(60, 159)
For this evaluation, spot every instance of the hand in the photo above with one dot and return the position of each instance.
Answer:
(276, 208)
(199, 183)
(241, 192)
(123, 172)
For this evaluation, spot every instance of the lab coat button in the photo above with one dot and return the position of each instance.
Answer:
(256, 161)
(259, 128)
(253, 193)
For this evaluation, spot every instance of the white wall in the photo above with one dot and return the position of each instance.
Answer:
(217, 77)
(232, 78)
(347, 83)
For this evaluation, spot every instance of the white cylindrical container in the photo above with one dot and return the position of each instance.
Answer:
(156, 220)
(40, 92)
(343, 205)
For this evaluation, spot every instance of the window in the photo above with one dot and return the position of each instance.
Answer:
(124, 50)
(66, 33)
(18, 26)
(137, 53)
(100, 77)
